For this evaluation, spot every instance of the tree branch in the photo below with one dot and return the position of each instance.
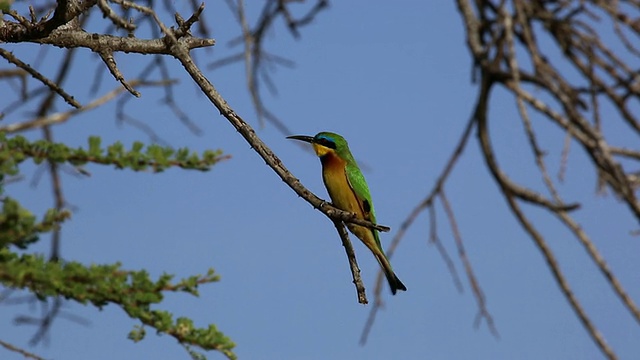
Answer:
(353, 264)
(480, 114)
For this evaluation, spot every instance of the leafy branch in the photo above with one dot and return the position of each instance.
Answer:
(155, 157)
(100, 285)
(18, 226)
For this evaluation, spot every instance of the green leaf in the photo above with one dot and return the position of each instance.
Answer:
(94, 146)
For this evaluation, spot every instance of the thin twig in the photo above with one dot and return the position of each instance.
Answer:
(483, 312)
(110, 61)
(435, 239)
(50, 84)
(353, 264)
(20, 351)
(256, 59)
(59, 118)
(427, 203)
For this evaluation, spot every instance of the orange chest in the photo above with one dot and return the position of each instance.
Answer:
(335, 179)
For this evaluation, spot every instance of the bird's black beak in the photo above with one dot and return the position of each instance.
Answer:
(304, 138)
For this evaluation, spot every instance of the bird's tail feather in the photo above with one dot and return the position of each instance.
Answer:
(394, 282)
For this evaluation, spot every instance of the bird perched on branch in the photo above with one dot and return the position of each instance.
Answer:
(349, 191)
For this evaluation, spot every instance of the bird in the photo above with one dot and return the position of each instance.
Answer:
(349, 191)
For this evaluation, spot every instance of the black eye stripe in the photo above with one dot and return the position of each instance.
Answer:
(326, 142)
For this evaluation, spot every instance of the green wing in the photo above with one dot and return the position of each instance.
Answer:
(359, 186)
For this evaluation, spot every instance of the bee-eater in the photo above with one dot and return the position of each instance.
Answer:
(349, 191)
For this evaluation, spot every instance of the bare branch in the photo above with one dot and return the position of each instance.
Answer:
(25, 353)
(110, 61)
(50, 84)
(256, 59)
(98, 43)
(353, 264)
(115, 18)
(475, 286)
(480, 114)
(30, 30)
(427, 203)
(62, 117)
(599, 260)
(434, 239)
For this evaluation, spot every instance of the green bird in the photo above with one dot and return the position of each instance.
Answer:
(349, 191)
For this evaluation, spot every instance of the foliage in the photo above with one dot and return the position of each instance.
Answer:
(18, 226)
(99, 285)
(157, 158)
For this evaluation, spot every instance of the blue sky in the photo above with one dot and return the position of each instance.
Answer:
(394, 79)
